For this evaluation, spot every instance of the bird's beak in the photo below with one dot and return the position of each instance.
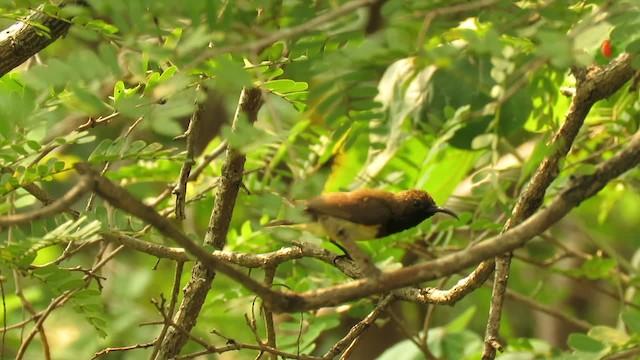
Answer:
(446, 211)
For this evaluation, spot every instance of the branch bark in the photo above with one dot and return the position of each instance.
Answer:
(56, 207)
(22, 40)
(202, 275)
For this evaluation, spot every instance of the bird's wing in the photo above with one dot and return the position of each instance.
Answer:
(334, 228)
(365, 210)
(343, 231)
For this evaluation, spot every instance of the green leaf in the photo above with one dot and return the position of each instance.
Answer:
(582, 342)
(585, 169)
(136, 146)
(462, 321)
(71, 284)
(406, 350)
(87, 101)
(58, 166)
(632, 320)
(247, 138)
(167, 74)
(169, 84)
(229, 74)
(88, 303)
(118, 90)
(102, 27)
(483, 141)
(274, 52)
(284, 86)
(598, 268)
(33, 145)
(152, 80)
(98, 153)
(115, 149)
(194, 39)
(87, 295)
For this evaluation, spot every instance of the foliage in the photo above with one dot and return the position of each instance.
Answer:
(456, 97)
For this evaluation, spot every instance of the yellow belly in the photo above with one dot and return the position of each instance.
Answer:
(336, 228)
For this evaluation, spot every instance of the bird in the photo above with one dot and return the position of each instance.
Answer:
(367, 214)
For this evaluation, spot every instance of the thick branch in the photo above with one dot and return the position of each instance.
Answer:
(22, 40)
(202, 274)
(248, 260)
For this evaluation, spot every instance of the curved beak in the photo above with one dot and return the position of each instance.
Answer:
(446, 211)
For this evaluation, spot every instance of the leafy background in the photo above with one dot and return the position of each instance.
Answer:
(455, 97)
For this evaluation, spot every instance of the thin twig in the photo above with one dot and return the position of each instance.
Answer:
(356, 331)
(58, 302)
(40, 194)
(175, 292)
(269, 275)
(107, 165)
(54, 208)
(110, 350)
(191, 135)
(219, 150)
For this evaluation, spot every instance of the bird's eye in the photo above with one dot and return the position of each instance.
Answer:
(417, 203)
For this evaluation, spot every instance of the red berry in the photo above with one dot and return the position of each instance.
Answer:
(606, 48)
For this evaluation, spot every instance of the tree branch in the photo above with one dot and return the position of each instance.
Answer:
(22, 40)
(56, 207)
(202, 274)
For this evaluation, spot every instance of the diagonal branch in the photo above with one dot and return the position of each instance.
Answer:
(56, 207)
(202, 274)
(22, 40)
(590, 89)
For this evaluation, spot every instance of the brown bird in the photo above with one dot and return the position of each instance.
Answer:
(368, 214)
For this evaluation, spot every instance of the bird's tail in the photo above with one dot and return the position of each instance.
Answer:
(311, 227)
(277, 223)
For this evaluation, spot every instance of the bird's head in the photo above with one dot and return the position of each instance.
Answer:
(418, 203)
